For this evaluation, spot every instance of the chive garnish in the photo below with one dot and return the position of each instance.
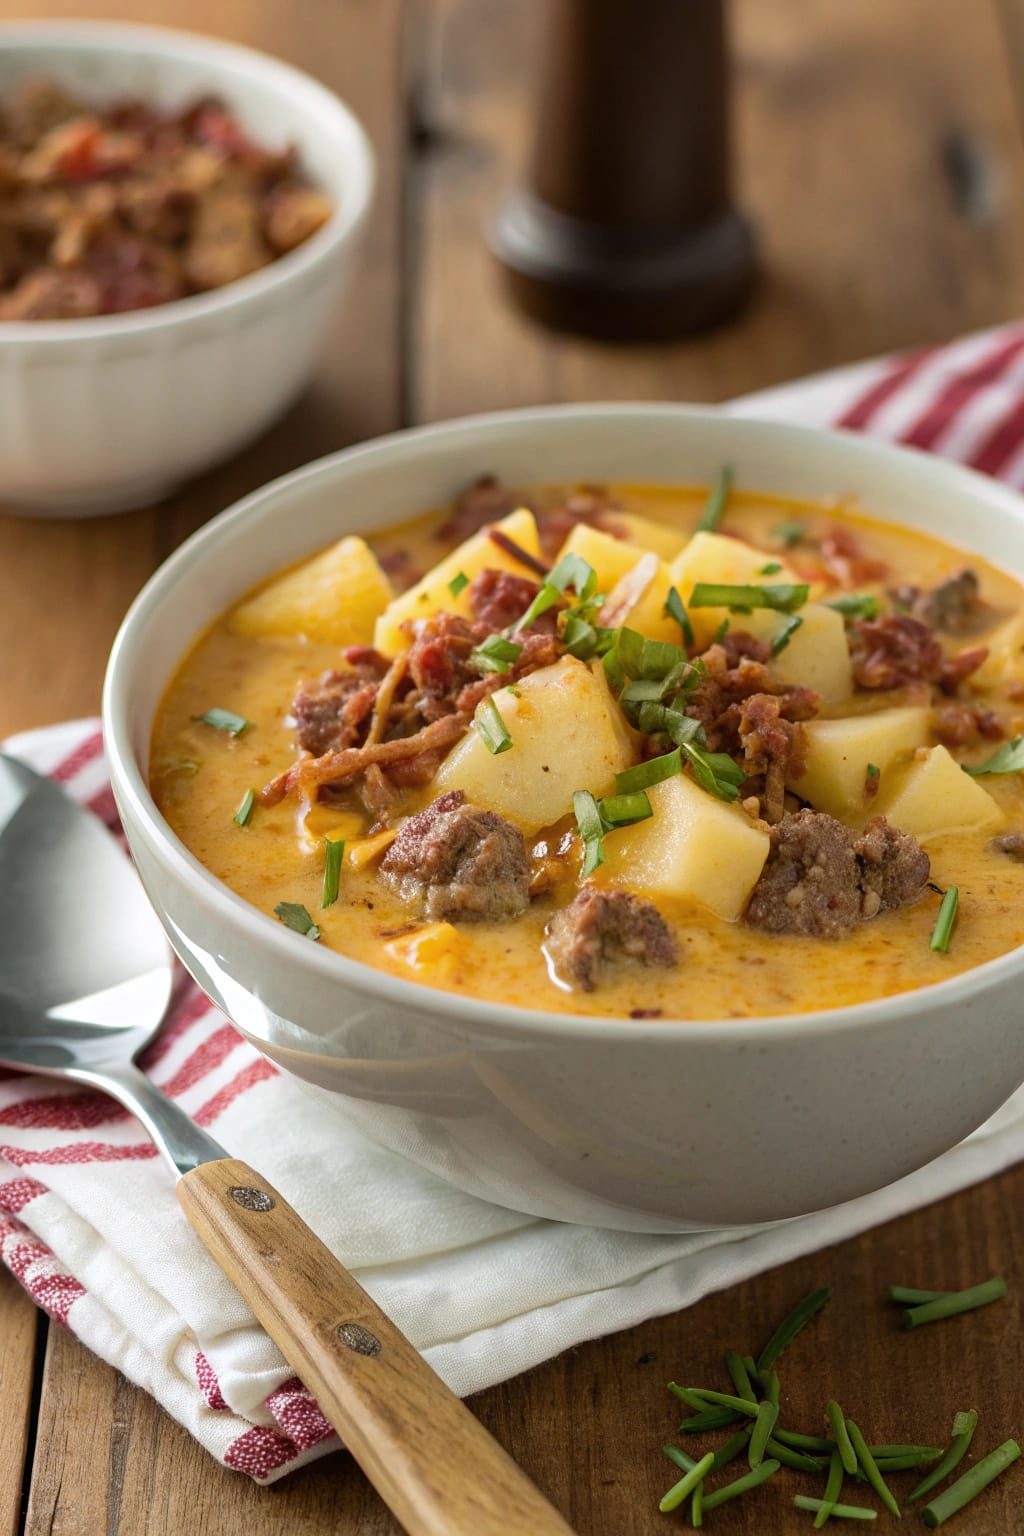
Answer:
(646, 774)
(743, 1484)
(244, 811)
(943, 929)
(740, 1376)
(458, 584)
(790, 1326)
(820, 1444)
(907, 1462)
(788, 534)
(785, 634)
(724, 1400)
(772, 1387)
(585, 640)
(837, 1422)
(697, 1506)
(625, 810)
(800, 1461)
(591, 830)
(495, 654)
(686, 1484)
(922, 1452)
(334, 852)
(833, 1488)
(711, 1418)
(955, 1302)
(675, 608)
(224, 720)
(715, 504)
(767, 1413)
(682, 1461)
(784, 598)
(826, 1507)
(961, 1435)
(733, 1447)
(1009, 758)
(874, 1476)
(907, 1296)
(294, 915)
(571, 571)
(492, 728)
(971, 1484)
(771, 569)
(855, 605)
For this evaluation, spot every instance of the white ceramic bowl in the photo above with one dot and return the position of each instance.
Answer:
(649, 1126)
(99, 415)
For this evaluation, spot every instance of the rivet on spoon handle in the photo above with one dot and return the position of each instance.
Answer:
(429, 1458)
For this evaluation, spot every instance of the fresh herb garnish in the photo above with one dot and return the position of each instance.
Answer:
(492, 728)
(495, 654)
(767, 1413)
(1009, 758)
(651, 772)
(715, 504)
(944, 923)
(294, 915)
(789, 534)
(790, 1326)
(952, 1303)
(675, 608)
(458, 584)
(686, 1484)
(785, 633)
(771, 569)
(224, 720)
(784, 597)
(585, 640)
(837, 1423)
(829, 1507)
(625, 810)
(334, 852)
(971, 1484)
(833, 1488)
(743, 1484)
(591, 829)
(571, 571)
(244, 811)
(855, 605)
(871, 1472)
(964, 1425)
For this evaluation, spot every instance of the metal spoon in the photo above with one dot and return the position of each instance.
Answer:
(85, 979)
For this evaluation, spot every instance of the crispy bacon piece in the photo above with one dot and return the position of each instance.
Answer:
(896, 649)
(772, 746)
(964, 725)
(485, 501)
(498, 599)
(845, 561)
(333, 768)
(717, 698)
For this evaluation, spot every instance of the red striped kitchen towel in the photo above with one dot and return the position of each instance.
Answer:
(90, 1225)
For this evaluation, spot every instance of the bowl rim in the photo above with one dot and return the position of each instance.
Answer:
(503, 1019)
(143, 40)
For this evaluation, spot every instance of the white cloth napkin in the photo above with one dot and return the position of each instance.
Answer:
(90, 1225)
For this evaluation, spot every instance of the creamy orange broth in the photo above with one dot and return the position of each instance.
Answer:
(725, 969)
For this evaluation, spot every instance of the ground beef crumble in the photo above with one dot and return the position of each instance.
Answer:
(454, 862)
(600, 928)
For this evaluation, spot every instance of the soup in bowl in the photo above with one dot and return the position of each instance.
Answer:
(616, 831)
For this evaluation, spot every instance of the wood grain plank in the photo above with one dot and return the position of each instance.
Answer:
(17, 1358)
(853, 124)
(65, 576)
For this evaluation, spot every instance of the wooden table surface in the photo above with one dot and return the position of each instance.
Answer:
(880, 151)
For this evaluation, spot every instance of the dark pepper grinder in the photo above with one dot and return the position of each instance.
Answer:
(625, 229)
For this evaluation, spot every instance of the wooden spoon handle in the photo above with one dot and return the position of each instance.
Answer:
(432, 1462)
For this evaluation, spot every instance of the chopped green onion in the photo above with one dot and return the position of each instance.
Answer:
(715, 504)
(790, 1326)
(907, 1462)
(1009, 758)
(686, 1484)
(760, 1474)
(725, 1400)
(592, 829)
(772, 1387)
(295, 916)
(789, 534)
(841, 1511)
(546, 598)
(224, 720)
(867, 1461)
(964, 1425)
(495, 654)
(800, 1461)
(908, 1297)
(625, 810)
(675, 608)
(458, 584)
(244, 811)
(785, 633)
(940, 942)
(720, 632)
(697, 1506)
(784, 598)
(573, 571)
(492, 728)
(833, 1488)
(873, 771)
(740, 1377)
(855, 605)
(922, 1452)
(646, 774)
(733, 1447)
(817, 1443)
(767, 1413)
(771, 569)
(334, 852)
(837, 1422)
(971, 1484)
(955, 1302)
(585, 640)
(711, 1418)
(682, 1461)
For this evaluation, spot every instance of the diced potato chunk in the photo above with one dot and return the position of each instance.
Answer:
(611, 558)
(433, 593)
(638, 600)
(335, 597)
(567, 734)
(664, 540)
(1005, 645)
(694, 845)
(838, 753)
(816, 654)
(713, 557)
(933, 795)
